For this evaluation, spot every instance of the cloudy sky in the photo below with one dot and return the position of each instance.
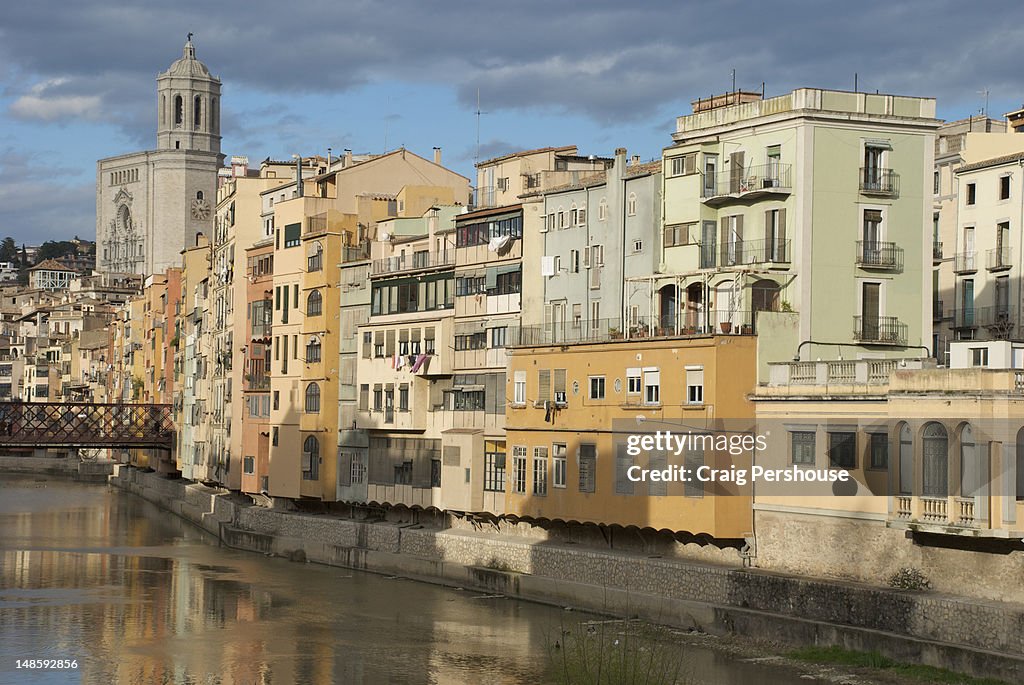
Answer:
(78, 76)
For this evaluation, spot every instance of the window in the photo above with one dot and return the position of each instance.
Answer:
(979, 356)
(519, 470)
(634, 385)
(935, 183)
(314, 303)
(623, 462)
(652, 386)
(273, 436)
(311, 459)
(558, 378)
(403, 473)
(403, 398)
(677, 234)
(602, 209)
(972, 193)
(292, 235)
(802, 447)
(277, 400)
(378, 398)
(588, 467)
(249, 465)
(312, 398)
(597, 387)
(313, 351)
(684, 164)
(574, 261)
(435, 473)
(638, 246)
(540, 471)
(631, 205)
(695, 385)
(1004, 187)
(494, 466)
(358, 470)
(519, 388)
(879, 455)
(558, 456)
(364, 397)
(842, 450)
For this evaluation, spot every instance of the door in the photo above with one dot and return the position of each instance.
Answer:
(969, 248)
(871, 245)
(724, 307)
(967, 302)
(710, 175)
(869, 310)
(558, 322)
(872, 168)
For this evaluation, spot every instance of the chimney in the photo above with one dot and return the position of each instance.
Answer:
(437, 156)
(348, 158)
(635, 159)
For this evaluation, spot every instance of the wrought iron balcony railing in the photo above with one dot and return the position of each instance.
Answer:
(965, 263)
(887, 330)
(872, 254)
(999, 259)
(878, 181)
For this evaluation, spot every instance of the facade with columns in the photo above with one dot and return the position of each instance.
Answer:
(150, 205)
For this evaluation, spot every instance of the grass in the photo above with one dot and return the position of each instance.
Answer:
(925, 674)
(617, 653)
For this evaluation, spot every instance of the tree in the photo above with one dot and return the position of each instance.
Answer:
(23, 267)
(8, 250)
(55, 249)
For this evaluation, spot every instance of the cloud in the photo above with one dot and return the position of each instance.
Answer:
(34, 209)
(45, 102)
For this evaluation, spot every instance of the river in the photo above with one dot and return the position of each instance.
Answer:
(133, 594)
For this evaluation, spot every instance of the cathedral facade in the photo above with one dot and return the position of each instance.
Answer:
(150, 205)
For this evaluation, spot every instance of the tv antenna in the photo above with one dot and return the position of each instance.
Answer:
(477, 113)
(984, 111)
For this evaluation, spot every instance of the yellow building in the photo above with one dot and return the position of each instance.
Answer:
(935, 458)
(571, 407)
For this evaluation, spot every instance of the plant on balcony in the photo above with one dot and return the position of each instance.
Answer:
(909, 578)
(786, 307)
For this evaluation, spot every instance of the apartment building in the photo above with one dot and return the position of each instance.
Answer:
(406, 362)
(814, 202)
(986, 291)
(193, 384)
(501, 180)
(601, 247)
(571, 406)
(257, 342)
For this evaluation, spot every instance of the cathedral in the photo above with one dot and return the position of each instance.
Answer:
(150, 205)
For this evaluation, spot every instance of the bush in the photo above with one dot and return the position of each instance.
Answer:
(909, 579)
(617, 653)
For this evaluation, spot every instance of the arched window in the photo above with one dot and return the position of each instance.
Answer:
(906, 454)
(214, 123)
(631, 205)
(163, 110)
(179, 110)
(314, 304)
(199, 195)
(935, 460)
(197, 113)
(764, 296)
(969, 476)
(313, 350)
(312, 398)
(602, 209)
(311, 458)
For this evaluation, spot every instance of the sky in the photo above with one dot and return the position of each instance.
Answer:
(78, 76)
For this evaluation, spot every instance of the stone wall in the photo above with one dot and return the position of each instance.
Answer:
(983, 638)
(869, 552)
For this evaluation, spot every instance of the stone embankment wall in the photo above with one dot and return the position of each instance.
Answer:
(971, 636)
(70, 467)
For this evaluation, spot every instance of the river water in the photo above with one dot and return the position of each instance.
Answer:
(133, 594)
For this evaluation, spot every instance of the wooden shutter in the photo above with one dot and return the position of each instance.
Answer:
(780, 238)
(735, 171)
(543, 385)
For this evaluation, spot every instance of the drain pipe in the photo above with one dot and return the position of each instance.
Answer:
(796, 357)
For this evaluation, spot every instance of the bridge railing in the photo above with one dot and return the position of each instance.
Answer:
(67, 424)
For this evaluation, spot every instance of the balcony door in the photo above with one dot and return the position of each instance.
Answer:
(869, 311)
(872, 236)
(872, 167)
(967, 301)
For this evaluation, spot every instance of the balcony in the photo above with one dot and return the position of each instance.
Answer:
(749, 252)
(951, 515)
(418, 261)
(999, 259)
(874, 255)
(995, 318)
(936, 251)
(483, 197)
(879, 330)
(965, 317)
(878, 181)
(825, 374)
(355, 253)
(752, 183)
(965, 263)
(716, 322)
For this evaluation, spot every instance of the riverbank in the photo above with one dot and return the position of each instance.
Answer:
(66, 467)
(979, 638)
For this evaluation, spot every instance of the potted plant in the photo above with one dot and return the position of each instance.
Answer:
(726, 326)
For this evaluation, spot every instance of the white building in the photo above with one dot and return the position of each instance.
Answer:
(150, 205)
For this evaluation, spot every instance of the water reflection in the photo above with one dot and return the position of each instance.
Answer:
(138, 596)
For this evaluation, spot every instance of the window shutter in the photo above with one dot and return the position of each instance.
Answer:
(389, 346)
(724, 240)
(739, 238)
(559, 380)
(543, 385)
(690, 162)
(780, 237)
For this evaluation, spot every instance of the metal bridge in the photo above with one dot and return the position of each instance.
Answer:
(60, 424)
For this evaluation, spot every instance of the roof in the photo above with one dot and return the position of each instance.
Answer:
(526, 153)
(188, 66)
(652, 167)
(994, 161)
(488, 211)
(51, 265)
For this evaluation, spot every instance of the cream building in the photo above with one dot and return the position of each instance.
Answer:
(150, 205)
